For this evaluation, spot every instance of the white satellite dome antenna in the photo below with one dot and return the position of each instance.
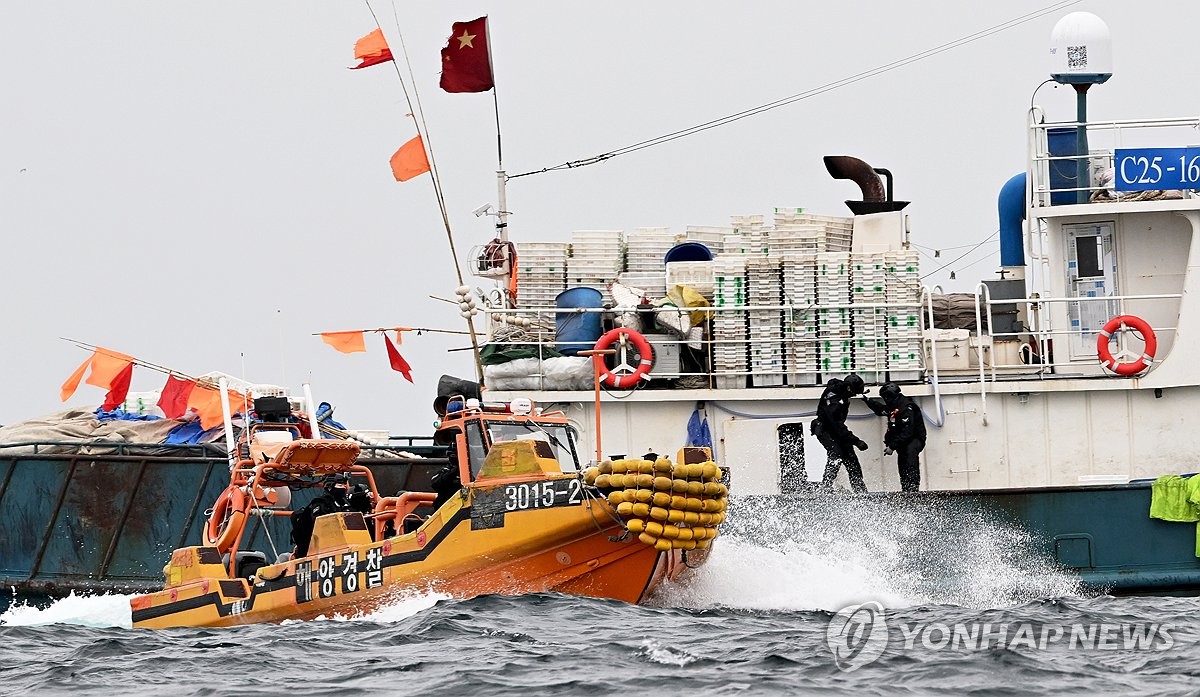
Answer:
(1081, 56)
(1081, 50)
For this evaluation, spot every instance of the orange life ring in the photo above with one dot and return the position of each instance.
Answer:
(222, 533)
(630, 376)
(1105, 351)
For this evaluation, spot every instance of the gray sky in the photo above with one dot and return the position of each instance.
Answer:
(191, 183)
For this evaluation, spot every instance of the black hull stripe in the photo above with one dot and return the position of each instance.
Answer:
(289, 581)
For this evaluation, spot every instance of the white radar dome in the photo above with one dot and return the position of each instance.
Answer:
(1080, 50)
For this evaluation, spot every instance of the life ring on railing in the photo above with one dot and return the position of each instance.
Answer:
(1105, 351)
(625, 376)
(221, 532)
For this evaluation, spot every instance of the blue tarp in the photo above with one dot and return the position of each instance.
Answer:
(120, 414)
(189, 433)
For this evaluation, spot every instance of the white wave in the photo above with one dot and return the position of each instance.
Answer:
(399, 606)
(655, 652)
(83, 610)
(826, 554)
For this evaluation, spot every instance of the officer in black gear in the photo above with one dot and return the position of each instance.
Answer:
(905, 433)
(830, 428)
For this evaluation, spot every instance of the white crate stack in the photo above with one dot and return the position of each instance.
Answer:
(595, 260)
(903, 282)
(765, 288)
(867, 287)
(833, 317)
(541, 273)
(645, 248)
(735, 243)
(730, 353)
(710, 236)
(753, 229)
(830, 233)
(801, 332)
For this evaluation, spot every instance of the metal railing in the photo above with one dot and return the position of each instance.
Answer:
(1103, 139)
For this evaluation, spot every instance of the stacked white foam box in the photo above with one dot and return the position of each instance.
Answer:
(903, 281)
(698, 275)
(833, 233)
(801, 332)
(645, 249)
(867, 288)
(833, 317)
(752, 228)
(735, 243)
(595, 260)
(541, 272)
(729, 327)
(765, 288)
(710, 236)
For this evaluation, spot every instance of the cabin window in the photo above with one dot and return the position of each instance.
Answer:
(476, 449)
(556, 436)
(792, 475)
(1091, 273)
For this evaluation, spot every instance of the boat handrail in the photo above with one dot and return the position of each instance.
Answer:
(1039, 188)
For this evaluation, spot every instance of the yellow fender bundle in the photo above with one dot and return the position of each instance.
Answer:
(668, 506)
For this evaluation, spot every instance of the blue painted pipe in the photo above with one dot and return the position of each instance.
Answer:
(1011, 205)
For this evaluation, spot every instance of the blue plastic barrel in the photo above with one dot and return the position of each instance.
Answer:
(577, 331)
(1062, 142)
(688, 251)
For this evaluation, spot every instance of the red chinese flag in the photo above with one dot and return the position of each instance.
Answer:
(174, 399)
(466, 66)
(410, 160)
(372, 49)
(118, 390)
(398, 363)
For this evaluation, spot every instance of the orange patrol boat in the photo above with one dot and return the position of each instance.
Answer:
(519, 515)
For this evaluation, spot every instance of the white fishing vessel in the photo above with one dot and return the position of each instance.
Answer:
(1054, 392)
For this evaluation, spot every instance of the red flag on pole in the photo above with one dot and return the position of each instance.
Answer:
(398, 363)
(174, 399)
(372, 49)
(410, 160)
(466, 64)
(118, 389)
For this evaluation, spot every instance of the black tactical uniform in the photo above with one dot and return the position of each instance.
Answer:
(830, 428)
(905, 433)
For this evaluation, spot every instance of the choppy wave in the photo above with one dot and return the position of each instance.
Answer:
(752, 620)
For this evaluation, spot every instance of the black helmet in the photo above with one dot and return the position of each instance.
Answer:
(854, 383)
(889, 392)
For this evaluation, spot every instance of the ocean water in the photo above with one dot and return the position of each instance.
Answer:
(955, 604)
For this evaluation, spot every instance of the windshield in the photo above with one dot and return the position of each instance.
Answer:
(557, 435)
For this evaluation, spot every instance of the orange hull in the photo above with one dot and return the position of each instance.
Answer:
(465, 549)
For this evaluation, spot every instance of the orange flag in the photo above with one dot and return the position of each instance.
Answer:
(72, 383)
(106, 366)
(207, 403)
(372, 49)
(346, 342)
(410, 160)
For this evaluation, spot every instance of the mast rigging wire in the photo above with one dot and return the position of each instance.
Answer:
(813, 92)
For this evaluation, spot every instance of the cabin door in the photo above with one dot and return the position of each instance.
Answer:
(1091, 273)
